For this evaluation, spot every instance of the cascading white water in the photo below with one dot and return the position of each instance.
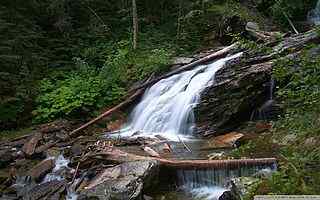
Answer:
(314, 15)
(167, 107)
(60, 163)
(209, 184)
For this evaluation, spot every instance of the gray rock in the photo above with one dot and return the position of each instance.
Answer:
(252, 26)
(236, 92)
(123, 182)
(48, 190)
(182, 60)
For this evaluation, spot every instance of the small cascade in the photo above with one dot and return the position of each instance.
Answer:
(211, 183)
(166, 108)
(271, 88)
(314, 15)
(60, 163)
(266, 111)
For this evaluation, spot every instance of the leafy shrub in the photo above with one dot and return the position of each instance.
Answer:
(89, 88)
(81, 91)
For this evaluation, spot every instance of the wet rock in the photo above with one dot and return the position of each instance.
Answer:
(44, 147)
(229, 195)
(242, 185)
(6, 157)
(30, 147)
(49, 190)
(76, 149)
(237, 91)
(41, 169)
(123, 182)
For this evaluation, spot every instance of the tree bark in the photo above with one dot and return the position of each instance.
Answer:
(135, 23)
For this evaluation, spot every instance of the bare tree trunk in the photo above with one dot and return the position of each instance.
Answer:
(179, 17)
(135, 23)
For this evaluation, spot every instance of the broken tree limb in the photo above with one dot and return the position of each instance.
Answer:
(107, 113)
(216, 55)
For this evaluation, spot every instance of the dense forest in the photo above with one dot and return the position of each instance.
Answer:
(70, 59)
(67, 58)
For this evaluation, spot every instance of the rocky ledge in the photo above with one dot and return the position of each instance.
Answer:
(242, 86)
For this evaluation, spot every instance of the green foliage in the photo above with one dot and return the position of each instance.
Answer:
(59, 98)
(297, 10)
(299, 91)
(250, 45)
(88, 89)
(302, 76)
(125, 66)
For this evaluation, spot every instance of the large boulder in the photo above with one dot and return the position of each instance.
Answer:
(238, 90)
(123, 182)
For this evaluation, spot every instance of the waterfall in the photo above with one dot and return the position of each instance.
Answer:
(166, 108)
(211, 183)
(314, 15)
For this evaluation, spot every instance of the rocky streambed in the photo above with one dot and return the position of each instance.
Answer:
(45, 165)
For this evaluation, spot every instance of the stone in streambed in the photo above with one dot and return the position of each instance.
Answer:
(50, 190)
(41, 169)
(123, 182)
(30, 147)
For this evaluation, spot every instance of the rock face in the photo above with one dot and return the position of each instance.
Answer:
(123, 182)
(237, 91)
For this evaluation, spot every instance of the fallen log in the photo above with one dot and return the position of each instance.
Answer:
(107, 113)
(219, 54)
(118, 157)
(216, 164)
